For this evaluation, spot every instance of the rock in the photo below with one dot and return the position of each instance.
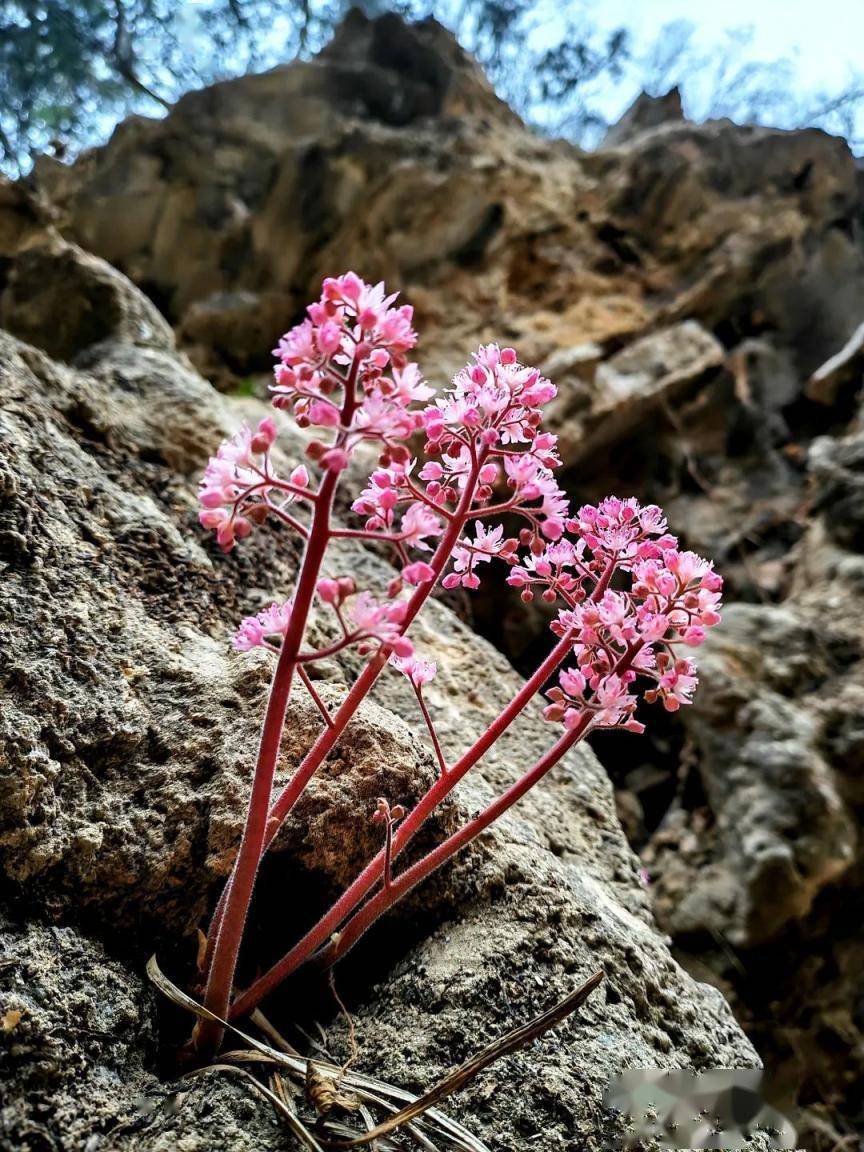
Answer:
(61, 298)
(65, 300)
(78, 1044)
(837, 469)
(772, 862)
(629, 387)
(842, 367)
(234, 330)
(389, 151)
(24, 218)
(77, 1030)
(644, 114)
(782, 830)
(738, 226)
(124, 767)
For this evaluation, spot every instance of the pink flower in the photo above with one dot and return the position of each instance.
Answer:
(488, 542)
(255, 630)
(352, 330)
(572, 682)
(418, 671)
(237, 482)
(374, 620)
(496, 396)
(418, 573)
(419, 522)
(677, 683)
(622, 529)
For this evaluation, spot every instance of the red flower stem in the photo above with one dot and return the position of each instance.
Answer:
(430, 727)
(371, 874)
(401, 885)
(316, 699)
(228, 937)
(340, 719)
(362, 920)
(220, 978)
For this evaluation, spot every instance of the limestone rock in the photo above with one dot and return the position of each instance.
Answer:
(61, 298)
(782, 829)
(389, 152)
(124, 765)
(645, 113)
(64, 299)
(629, 387)
(76, 1033)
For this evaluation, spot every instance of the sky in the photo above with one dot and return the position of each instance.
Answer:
(823, 38)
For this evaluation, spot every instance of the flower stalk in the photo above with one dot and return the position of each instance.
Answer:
(628, 598)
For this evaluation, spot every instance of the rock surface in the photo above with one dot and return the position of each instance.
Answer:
(697, 291)
(123, 766)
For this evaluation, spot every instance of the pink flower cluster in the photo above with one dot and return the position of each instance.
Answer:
(352, 331)
(621, 635)
(485, 427)
(239, 487)
(345, 369)
(381, 622)
(258, 631)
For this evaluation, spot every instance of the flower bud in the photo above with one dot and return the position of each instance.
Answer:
(265, 436)
(328, 591)
(335, 460)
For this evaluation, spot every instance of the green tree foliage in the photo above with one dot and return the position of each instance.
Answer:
(70, 69)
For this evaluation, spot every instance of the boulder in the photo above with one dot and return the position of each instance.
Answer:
(124, 765)
(629, 388)
(65, 300)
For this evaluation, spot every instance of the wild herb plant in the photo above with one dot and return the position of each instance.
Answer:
(452, 471)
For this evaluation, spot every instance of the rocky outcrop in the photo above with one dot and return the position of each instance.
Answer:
(697, 291)
(124, 759)
(65, 300)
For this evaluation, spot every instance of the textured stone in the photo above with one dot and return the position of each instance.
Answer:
(61, 298)
(124, 765)
(629, 387)
(390, 152)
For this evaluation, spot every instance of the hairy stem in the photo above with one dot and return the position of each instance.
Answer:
(318, 935)
(371, 874)
(411, 877)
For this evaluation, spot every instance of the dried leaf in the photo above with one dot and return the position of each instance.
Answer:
(10, 1020)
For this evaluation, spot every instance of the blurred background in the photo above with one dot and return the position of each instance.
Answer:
(70, 69)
